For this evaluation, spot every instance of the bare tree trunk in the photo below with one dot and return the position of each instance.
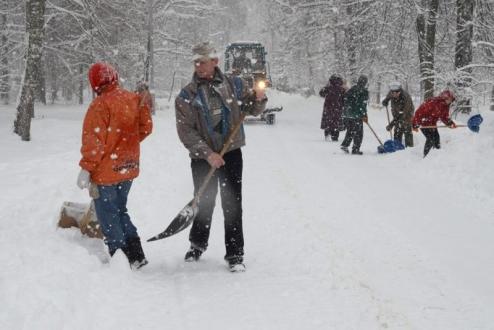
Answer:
(53, 77)
(4, 46)
(149, 60)
(378, 92)
(492, 99)
(464, 33)
(350, 38)
(310, 64)
(40, 90)
(68, 92)
(463, 51)
(81, 84)
(426, 33)
(338, 46)
(171, 88)
(35, 13)
(39, 72)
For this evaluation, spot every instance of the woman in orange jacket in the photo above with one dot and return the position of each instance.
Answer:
(116, 122)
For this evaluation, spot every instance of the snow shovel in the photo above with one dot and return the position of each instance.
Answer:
(187, 215)
(82, 216)
(473, 124)
(388, 146)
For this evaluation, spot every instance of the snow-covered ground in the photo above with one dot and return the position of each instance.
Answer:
(333, 241)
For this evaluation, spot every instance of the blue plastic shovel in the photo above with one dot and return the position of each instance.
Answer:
(473, 124)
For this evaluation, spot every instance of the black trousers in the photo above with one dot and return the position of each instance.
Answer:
(229, 179)
(402, 129)
(432, 139)
(333, 132)
(355, 132)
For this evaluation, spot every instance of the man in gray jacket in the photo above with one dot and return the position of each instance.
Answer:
(206, 110)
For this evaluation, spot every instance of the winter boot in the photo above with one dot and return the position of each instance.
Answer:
(193, 254)
(357, 152)
(134, 253)
(327, 135)
(128, 253)
(236, 264)
(345, 149)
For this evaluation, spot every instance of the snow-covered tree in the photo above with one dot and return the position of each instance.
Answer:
(35, 19)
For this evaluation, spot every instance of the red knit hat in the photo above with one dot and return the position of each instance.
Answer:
(447, 94)
(101, 74)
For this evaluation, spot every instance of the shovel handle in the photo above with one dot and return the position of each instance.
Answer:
(389, 123)
(87, 216)
(374, 134)
(442, 126)
(227, 143)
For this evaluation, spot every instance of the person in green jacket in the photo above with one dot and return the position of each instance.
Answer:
(355, 114)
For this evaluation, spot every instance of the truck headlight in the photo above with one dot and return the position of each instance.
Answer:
(261, 84)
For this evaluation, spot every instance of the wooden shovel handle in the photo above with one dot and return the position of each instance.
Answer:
(378, 139)
(87, 216)
(442, 126)
(226, 145)
(389, 123)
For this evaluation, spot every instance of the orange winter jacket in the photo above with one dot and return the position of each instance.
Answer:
(115, 124)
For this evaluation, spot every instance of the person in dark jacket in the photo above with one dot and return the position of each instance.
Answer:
(331, 121)
(354, 115)
(427, 116)
(402, 109)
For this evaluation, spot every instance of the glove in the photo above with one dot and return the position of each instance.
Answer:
(84, 179)
(385, 103)
(364, 119)
(415, 128)
(389, 127)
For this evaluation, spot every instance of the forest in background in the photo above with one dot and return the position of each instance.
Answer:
(46, 46)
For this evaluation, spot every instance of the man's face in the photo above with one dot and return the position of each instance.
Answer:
(395, 94)
(204, 68)
(448, 100)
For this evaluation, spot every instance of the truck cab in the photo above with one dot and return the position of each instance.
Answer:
(248, 60)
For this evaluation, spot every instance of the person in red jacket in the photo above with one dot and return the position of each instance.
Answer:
(427, 116)
(115, 123)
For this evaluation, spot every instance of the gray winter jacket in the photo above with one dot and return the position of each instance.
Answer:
(193, 118)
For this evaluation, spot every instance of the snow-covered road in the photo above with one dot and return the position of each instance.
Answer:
(333, 241)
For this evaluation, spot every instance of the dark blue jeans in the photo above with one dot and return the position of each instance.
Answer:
(111, 209)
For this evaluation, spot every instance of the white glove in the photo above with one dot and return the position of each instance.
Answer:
(84, 179)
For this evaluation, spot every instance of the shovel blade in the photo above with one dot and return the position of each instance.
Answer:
(181, 221)
(474, 123)
(390, 146)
